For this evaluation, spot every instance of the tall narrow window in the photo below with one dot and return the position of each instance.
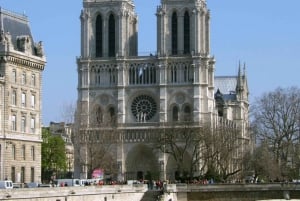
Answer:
(23, 124)
(111, 115)
(32, 174)
(32, 153)
(175, 113)
(14, 97)
(99, 43)
(23, 99)
(32, 101)
(23, 81)
(186, 32)
(13, 174)
(22, 174)
(13, 122)
(111, 36)
(99, 115)
(14, 76)
(13, 151)
(174, 33)
(187, 113)
(33, 79)
(32, 124)
(23, 152)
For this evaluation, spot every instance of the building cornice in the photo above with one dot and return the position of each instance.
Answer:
(28, 62)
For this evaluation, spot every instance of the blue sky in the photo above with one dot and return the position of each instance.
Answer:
(265, 34)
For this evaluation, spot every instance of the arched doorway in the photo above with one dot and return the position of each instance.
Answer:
(141, 164)
(174, 173)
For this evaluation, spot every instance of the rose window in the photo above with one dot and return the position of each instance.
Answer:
(143, 108)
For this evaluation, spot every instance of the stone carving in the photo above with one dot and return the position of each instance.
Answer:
(24, 43)
(39, 48)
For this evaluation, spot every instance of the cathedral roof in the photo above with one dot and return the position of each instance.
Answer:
(227, 86)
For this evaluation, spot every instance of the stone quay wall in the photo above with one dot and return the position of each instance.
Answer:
(88, 193)
(232, 192)
(171, 192)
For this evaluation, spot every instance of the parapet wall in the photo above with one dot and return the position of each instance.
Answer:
(89, 193)
(172, 192)
(232, 192)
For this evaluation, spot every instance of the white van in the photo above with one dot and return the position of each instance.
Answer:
(6, 184)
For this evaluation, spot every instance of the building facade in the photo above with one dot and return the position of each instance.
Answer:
(140, 96)
(22, 62)
(65, 130)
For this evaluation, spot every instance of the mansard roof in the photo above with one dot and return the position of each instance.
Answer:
(15, 24)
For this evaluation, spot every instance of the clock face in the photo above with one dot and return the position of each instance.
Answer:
(143, 108)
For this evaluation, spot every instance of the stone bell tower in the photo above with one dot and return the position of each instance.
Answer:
(183, 27)
(108, 28)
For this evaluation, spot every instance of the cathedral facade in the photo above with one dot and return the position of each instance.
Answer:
(128, 99)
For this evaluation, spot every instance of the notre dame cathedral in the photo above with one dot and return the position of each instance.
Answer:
(125, 101)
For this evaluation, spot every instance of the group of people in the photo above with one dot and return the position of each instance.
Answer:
(155, 185)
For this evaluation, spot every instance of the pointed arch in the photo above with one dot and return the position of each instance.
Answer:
(186, 32)
(187, 112)
(174, 36)
(175, 113)
(99, 36)
(98, 115)
(140, 161)
(111, 36)
(111, 113)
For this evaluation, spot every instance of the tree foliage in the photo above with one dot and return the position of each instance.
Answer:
(54, 158)
(276, 120)
(212, 150)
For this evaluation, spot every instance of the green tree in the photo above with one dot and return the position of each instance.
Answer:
(54, 160)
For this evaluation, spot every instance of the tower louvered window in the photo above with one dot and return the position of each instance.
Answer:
(111, 36)
(186, 32)
(174, 33)
(99, 41)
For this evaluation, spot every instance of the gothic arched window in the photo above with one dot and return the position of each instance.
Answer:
(187, 113)
(175, 111)
(99, 41)
(99, 115)
(174, 33)
(186, 33)
(112, 114)
(111, 36)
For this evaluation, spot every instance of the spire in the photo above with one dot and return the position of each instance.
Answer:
(239, 84)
